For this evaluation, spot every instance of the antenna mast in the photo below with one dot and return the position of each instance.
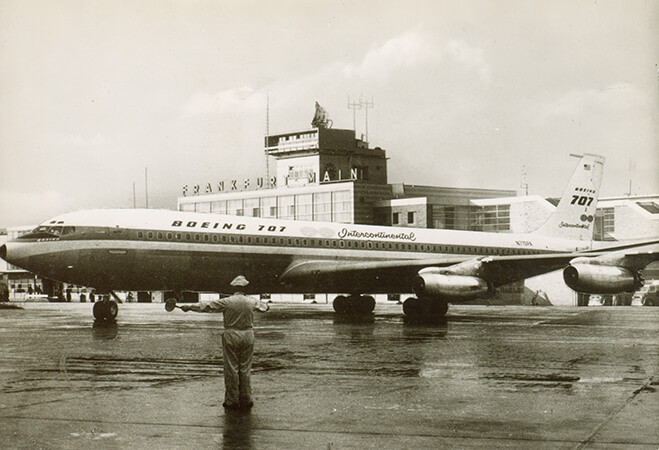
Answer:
(366, 105)
(632, 167)
(524, 183)
(146, 187)
(354, 106)
(267, 134)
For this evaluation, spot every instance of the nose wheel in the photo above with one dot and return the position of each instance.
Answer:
(106, 310)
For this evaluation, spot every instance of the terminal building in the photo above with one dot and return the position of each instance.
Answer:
(325, 174)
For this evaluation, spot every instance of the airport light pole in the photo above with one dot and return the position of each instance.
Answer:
(146, 187)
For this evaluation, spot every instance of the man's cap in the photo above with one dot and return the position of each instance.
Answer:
(240, 281)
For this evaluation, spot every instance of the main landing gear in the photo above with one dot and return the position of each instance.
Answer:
(354, 304)
(425, 309)
(106, 309)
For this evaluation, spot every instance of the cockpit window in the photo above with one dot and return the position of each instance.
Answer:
(68, 230)
(48, 231)
(56, 231)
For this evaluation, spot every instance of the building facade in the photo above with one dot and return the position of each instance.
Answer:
(330, 175)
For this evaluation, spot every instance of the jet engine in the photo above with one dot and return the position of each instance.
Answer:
(601, 279)
(452, 287)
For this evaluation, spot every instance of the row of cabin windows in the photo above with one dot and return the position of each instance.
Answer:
(328, 243)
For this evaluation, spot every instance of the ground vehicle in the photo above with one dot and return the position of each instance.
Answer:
(648, 295)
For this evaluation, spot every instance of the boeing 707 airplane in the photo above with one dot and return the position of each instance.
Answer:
(144, 250)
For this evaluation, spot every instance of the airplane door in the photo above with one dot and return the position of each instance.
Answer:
(119, 261)
(120, 265)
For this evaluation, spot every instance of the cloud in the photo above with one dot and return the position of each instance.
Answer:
(576, 103)
(77, 141)
(13, 211)
(470, 57)
(227, 101)
(411, 51)
(406, 51)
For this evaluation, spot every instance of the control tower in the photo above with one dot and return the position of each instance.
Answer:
(325, 155)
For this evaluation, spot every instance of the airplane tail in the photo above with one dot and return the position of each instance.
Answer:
(574, 217)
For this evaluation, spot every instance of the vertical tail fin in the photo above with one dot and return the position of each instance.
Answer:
(574, 217)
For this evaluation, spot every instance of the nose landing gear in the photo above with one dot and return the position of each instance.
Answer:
(106, 309)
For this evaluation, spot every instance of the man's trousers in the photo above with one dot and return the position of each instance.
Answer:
(238, 348)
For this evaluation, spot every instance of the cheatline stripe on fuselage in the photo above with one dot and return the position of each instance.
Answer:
(114, 222)
(199, 241)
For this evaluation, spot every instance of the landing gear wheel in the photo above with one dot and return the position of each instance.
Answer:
(421, 310)
(341, 304)
(412, 307)
(365, 304)
(438, 309)
(354, 304)
(106, 310)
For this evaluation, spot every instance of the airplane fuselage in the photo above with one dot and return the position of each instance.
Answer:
(172, 250)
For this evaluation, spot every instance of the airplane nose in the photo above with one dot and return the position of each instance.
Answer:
(3, 252)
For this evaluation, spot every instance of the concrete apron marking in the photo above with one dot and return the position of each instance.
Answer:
(588, 440)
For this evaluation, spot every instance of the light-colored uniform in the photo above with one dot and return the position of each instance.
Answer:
(237, 344)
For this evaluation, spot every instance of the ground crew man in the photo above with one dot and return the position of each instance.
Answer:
(237, 341)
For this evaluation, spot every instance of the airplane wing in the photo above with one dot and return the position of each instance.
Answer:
(632, 247)
(610, 272)
(399, 275)
(385, 276)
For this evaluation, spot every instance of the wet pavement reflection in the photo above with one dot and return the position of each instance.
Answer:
(237, 430)
(519, 376)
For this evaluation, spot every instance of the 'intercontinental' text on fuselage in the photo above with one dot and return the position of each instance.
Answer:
(345, 233)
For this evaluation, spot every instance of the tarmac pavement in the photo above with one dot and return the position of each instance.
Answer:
(488, 377)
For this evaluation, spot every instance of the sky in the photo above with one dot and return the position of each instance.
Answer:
(465, 93)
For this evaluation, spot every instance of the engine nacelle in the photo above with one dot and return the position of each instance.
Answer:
(598, 279)
(452, 287)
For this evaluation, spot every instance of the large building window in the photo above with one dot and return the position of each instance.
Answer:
(608, 221)
(269, 207)
(605, 224)
(219, 207)
(188, 207)
(651, 207)
(410, 217)
(395, 218)
(322, 208)
(286, 207)
(204, 207)
(304, 207)
(342, 205)
(235, 207)
(496, 218)
(251, 207)
(443, 217)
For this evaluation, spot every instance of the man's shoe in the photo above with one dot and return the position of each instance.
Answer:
(231, 405)
(246, 405)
